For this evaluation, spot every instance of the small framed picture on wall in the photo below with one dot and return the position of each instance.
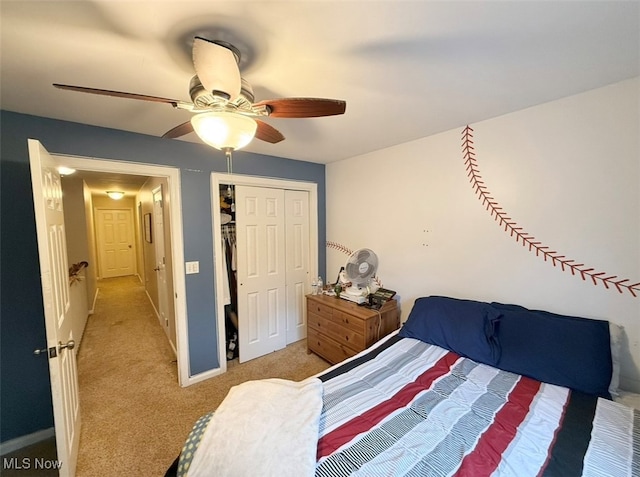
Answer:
(147, 228)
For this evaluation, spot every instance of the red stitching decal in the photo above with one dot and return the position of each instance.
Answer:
(339, 247)
(528, 240)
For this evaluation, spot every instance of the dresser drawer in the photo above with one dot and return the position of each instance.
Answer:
(326, 347)
(349, 321)
(319, 309)
(335, 330)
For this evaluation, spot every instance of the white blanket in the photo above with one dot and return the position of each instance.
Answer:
(266, 428)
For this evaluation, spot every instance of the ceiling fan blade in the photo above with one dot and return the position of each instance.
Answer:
(216, 65)
(268, 133)
(117, 94)
(180, 130)
(303, 107)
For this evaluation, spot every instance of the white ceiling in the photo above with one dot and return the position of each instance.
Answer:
(407, 69)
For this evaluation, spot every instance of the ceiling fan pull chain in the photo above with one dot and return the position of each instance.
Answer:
(228, 153)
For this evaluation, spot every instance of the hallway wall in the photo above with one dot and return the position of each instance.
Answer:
(148, 275)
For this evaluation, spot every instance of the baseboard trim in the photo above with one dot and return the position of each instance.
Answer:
(13, 445)
(206, 375)
(95, 299)
(166, 332)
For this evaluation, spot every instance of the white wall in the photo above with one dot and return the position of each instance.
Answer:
(77, 229)
(568, 172)
(75, 224)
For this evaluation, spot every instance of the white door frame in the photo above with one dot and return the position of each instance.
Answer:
(172, 174)
(218, 178)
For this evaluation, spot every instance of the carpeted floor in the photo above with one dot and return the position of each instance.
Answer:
(135, 417)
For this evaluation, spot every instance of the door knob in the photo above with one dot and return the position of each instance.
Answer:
(157, 269)
(70, 345)
(50, 352)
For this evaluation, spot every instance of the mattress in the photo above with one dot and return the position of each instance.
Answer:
(408, 408)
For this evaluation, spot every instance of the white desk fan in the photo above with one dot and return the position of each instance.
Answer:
(360, 268)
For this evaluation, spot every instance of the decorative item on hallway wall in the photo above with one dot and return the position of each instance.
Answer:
(74, 272)
(147, 228)
(502, 219)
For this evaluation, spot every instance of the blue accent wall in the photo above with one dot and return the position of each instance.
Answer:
(25, 396)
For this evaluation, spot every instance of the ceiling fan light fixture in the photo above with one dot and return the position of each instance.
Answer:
(224, 130)
(115, 194)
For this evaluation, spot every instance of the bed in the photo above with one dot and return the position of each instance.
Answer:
(465, 388)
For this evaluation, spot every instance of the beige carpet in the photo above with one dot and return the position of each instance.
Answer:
(135, 417)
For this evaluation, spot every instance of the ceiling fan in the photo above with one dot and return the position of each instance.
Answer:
(218, 92)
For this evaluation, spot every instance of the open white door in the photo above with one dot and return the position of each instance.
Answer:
(261, 271)
(54, 273)
(160, 268)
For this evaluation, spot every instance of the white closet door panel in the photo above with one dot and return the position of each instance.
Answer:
(252, 252)
(297, 262)
(252, 318)
(260, 225)
(274, 313)
(273, 248)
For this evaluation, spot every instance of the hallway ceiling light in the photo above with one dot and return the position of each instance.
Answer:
(66, 171)
(115, 194)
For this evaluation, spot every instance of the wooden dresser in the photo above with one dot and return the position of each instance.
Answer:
(338, 329)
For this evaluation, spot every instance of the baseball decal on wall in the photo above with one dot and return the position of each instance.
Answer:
(339, 247)
(528, 240)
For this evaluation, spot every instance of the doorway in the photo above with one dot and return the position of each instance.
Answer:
(175, 274)
(309, 190)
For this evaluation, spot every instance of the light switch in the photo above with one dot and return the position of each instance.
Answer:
(192, 267)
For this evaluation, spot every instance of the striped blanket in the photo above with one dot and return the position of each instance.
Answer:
(410, 408)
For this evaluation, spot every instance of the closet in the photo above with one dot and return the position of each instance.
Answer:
(229, 266)
(265, 239)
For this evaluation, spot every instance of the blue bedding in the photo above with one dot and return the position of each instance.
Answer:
(564, 350)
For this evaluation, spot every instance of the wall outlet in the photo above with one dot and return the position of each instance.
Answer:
(192, 267)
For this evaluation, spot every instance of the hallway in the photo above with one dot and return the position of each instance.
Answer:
(134, 414)
(125, 366)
